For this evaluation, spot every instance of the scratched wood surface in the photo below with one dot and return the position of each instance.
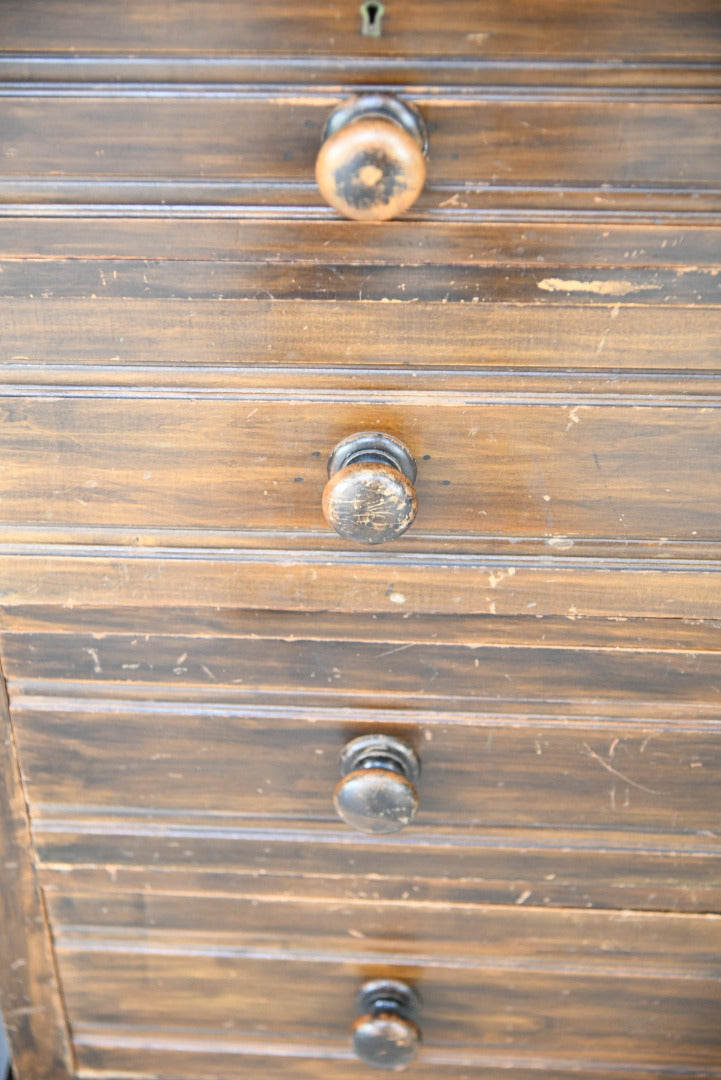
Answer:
(209, 1059)
(475, 667)
(114, 341)
(32, 1008)
(188, 647)
(111, 133)
(552, 465)
(155, 254)
(608, 869)
(484, 30)
(225, 762)
(670, 1017)
(234, 730)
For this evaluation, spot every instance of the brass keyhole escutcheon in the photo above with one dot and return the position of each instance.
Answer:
(371, 18)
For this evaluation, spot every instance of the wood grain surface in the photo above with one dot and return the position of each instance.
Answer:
(33, 1011)
(607, 869)
(583, 466)
(645, 259)
(110, 133)
(533, 31)
(220, 763)
(667, 1020)
(186, 332)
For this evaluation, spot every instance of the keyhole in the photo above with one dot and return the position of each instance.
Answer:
(371, 14)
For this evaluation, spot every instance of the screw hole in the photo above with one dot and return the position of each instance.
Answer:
(371, 15)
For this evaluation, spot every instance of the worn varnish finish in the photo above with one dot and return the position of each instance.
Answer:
(187, 332)
(32, 1008)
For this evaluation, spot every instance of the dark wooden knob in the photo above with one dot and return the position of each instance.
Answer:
(386, 1036)
(370, 496)
(377, 793)
(372, 163)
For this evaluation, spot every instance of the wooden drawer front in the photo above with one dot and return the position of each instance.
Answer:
(239, 765)
(487, 467)
(502, 987)
(516, 722)
(231, 35)
(150, 140)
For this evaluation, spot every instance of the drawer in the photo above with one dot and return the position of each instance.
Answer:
(229, 39)
(151, 974)
(489, 466)
(241, 720)
(264, 768)
(150, 148)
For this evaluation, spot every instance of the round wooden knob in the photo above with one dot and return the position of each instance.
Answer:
(370, 496)
(386, 1035)
(377, 793)
(372, 163)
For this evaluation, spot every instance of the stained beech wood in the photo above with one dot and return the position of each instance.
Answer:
(187, 330)
(612, 868)
(500, 937)
(32, 1007)
(322, 581)
(669, 1019)
(665, 674)
(507, 463)
(554, 33)
(163, 343)
(503, 772)
(562, 140)
(156, 256)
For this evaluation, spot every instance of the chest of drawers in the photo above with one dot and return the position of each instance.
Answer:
(188, 331)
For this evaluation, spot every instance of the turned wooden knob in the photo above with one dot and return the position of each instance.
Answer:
(386, 1036)
(376, 793)
(370, 496)
(372, 163)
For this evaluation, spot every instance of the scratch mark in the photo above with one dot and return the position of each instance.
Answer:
(615, 772)
(30, 1010)
(93, 654)
(573, 418)
(599, 288)
(495, 579)
(400, 648)
(563, 543)
(523, 897)
(454, 200)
